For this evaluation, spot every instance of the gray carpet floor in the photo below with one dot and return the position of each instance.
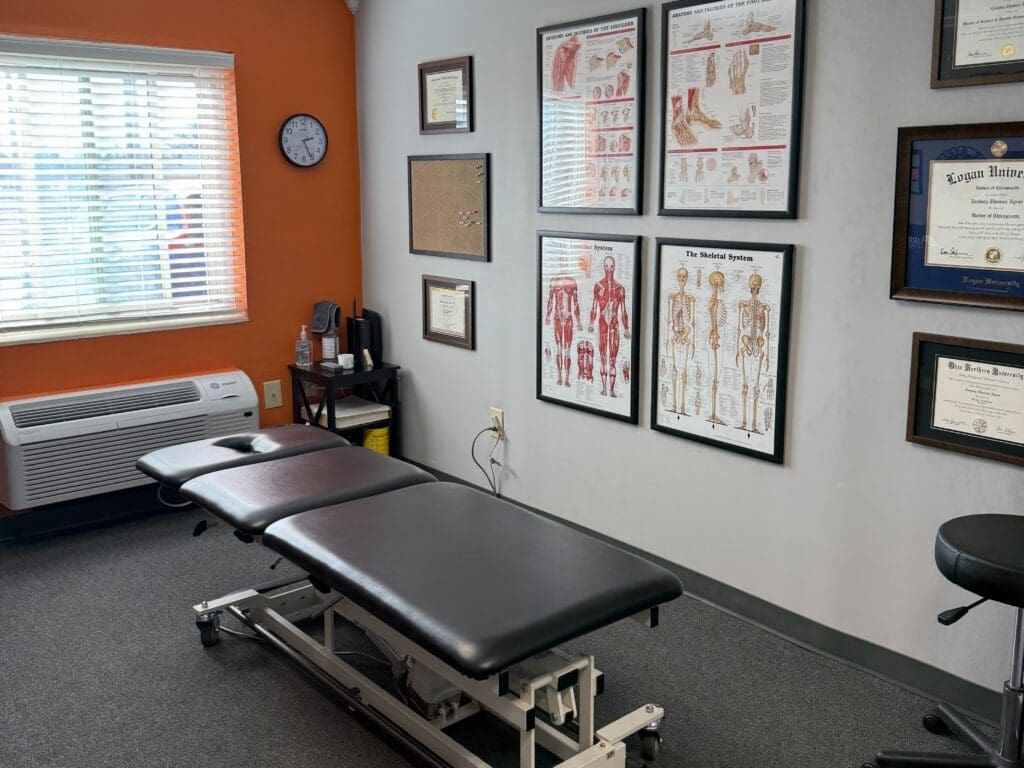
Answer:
(101, 666)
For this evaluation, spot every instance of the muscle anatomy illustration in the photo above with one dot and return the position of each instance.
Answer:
(585, 360)
(622, 83)
(757, 171)
(563, 308)
(682, 330)
(700, 169)
(738, 72)
(753, 26)
(563, 68)
(752, 341)
(705, 34)
(718, 315)
(608, 309)
(686, 118)
(711, 74)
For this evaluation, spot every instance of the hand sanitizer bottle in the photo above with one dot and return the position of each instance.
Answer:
(303, 356)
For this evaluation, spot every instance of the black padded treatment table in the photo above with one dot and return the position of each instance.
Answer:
(468, 596)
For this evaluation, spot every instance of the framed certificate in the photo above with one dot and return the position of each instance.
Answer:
(967, 396)
(977, 42)
(731, 103)
(590, 90)
(958, 228)
(446, 96)
(721, 344)
(588, 322)
(448, 313)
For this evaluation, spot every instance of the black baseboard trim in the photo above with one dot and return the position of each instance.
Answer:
(893, 667)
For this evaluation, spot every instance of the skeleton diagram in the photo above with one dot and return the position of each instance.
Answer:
(705, 34)
(564, 305)
(711, 76)
(718, 315)
(682, 329)
(563, 67)
(609, 304)
(684, 169)
(744, 125)
(684, 119)
(753, 26)
(752, 338)
(738, 72)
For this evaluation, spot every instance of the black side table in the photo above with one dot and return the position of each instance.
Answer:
(377, 384)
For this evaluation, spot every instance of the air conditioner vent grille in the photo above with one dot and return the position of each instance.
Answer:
(75, 408)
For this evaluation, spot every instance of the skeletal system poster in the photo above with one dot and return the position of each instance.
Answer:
(730, 80)
(588, 303)
(591, 118)
(719, 343)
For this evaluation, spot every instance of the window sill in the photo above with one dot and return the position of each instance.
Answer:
(63, 333)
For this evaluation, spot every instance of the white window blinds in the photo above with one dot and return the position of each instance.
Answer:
(120, 190)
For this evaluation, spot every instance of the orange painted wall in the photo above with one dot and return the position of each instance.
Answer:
(301, 225)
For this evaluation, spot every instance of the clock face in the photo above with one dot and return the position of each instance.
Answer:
(303, 140)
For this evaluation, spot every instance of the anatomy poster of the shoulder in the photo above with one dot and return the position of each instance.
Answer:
(717, 342)
(587, 322)
(579, 59)
(729, 95)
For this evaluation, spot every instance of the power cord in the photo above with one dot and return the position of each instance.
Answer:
(492, 462)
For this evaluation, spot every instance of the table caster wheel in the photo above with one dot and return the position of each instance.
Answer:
(869, 765)
(935, 724)
(650, 743)
(209, 630)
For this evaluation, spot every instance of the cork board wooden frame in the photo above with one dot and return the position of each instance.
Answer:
(449, 200)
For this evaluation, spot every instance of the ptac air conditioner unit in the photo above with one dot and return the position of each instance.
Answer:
(68, 446)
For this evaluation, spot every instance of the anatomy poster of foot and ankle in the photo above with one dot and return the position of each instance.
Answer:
(591, 120)
(587, 304)
(720, 319)
(729, 83)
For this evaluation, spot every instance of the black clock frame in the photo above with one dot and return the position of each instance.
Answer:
(280, 139)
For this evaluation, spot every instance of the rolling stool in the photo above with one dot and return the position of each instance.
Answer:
(984, 554)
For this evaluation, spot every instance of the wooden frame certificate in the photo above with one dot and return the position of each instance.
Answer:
(448, 312)
(978, 42)
(588, 322)
(732, 80)
(446, 96)
(967, 396)
(958, 233)
(590, 89)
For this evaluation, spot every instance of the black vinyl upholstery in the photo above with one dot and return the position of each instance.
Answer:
(251, 497)
(984, 554)
(476, 581)
(177, 464)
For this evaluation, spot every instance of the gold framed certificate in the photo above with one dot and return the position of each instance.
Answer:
(967, 396)
(446, 96)
(448, 313)
(978, 42)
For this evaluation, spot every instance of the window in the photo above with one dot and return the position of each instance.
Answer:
(120, 190)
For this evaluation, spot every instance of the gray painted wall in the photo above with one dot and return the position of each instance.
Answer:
(843, 532)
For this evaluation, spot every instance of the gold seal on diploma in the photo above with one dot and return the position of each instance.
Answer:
(993, 255)
(1008, 50)
(434, 114)
(999, 148)
(980, 426)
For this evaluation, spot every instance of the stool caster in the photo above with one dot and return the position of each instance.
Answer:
(935, 724)
(209, 630)
(650, 744)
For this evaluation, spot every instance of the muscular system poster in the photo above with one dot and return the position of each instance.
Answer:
(732, 71)
(590, 78)
(588, 303)
(721, 332)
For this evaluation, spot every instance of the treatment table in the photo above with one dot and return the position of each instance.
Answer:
(467, 596)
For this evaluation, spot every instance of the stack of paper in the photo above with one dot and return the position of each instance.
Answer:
(354, 411)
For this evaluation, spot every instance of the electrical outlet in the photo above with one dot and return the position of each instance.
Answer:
(272, 394)
(498, 422)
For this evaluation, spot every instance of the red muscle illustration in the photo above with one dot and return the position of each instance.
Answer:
(585, 360)
(609, 305)
(563, 307)
(563, 68)
(622, 86)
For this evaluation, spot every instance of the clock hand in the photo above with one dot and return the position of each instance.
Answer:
(307, 147)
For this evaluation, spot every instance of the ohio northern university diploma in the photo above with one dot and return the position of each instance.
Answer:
(979, 399)
(976, 215)
(989, 32)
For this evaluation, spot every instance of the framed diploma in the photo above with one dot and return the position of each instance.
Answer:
(958, 228)
(978, 42)
(967, 396)
(588, 320)
(590, 89)
(446, 96)
(731, 103)
(448, 313)
(721, 344)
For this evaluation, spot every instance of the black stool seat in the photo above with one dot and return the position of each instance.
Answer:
(984, 554)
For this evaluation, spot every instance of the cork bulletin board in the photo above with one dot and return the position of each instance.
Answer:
(448, 206)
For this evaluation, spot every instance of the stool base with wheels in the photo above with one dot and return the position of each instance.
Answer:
(985, 555)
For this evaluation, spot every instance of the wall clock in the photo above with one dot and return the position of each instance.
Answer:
(303, 140)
